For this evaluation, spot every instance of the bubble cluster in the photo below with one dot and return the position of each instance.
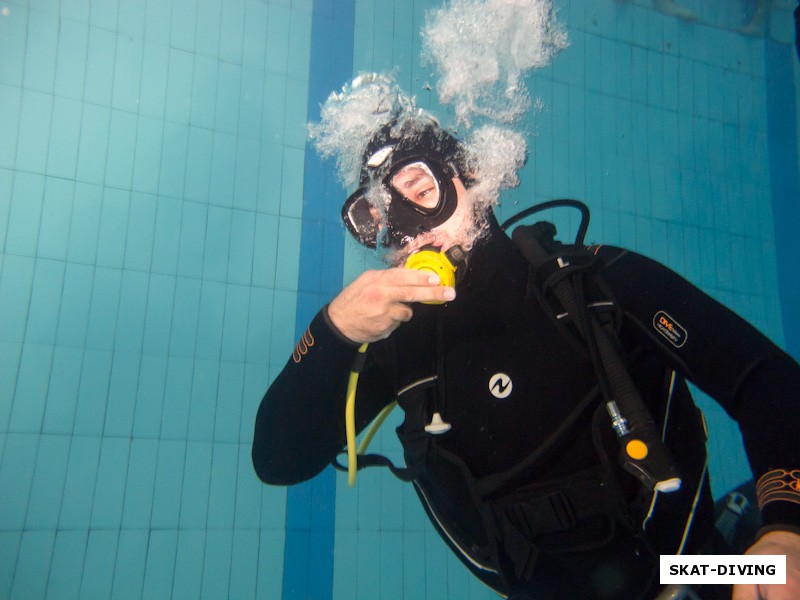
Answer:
(481, 50)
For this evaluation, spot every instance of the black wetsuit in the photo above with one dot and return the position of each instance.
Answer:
(444, 360)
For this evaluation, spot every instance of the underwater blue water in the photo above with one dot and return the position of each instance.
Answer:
(166, 234)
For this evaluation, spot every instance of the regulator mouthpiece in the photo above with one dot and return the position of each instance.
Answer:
(444, 264)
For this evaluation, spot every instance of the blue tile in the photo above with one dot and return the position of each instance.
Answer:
(16, 283)
(248, 493)
(287, 267)
(75, 302)
(189, 564)
(245, 194)
(222, 490)
(198, 164)
(13, 34)
(244, 564)
(269, 183)
(204, 400)
(121, 401)
(57, 211)
(45, 302)
(127, 74)
(231, 32)
(160, 565)
(173, 160)
(158, 320)
(129, 566)
(76, 507)
(103, 311)
(109, 492)
(251, 102)
(98, 566)
(274, 109)
(33, 563)
(93, 146)
(66, 566)
(234, 338)
(62, 393)
(48, 483)
(62, 157)
(131, 19)
(254, 42)
(157, 22)
(177, 396)
(16, 476)
(184, 317)
(169, 480)
(182, 27)
(93, 392)
(217, 564)
(34, 128)
(147, 160)
(11, 105)
(282, 333)
(121, 149)
(259, 325)
(25, 214)
(150, 396)
(278, 25)
(208, 27)
(141, 230)
(139, 484)
(10, 355)
(100, 66)
(240, 254)
(229, 85)
(295, 117)
(265, 252)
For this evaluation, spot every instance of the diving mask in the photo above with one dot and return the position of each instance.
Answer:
(414, 196)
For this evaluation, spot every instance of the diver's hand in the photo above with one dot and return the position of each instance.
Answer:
(774, 542)
(376, 303)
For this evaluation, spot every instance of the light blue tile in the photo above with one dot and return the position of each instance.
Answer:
(141, 230)
(13, 34)
(222, 490)
(295, 118)
(179, 86)
(155, 70)
(278, 26)
(182, 28)
(189, 564)
(48, 483)
(16, 281)
(114, 221)
(192, 240)
(55, 220)
(62, 158)
(16, 476)
(229, 85)
(234, 334)
(240, 255)
(257, 378)
(122, 394)
(98, 566)
(33, 564)
(218, 239)
(248, 493)
(251, 102)
(217, 564)
(93, 392)
(75, 303)
(160, 565)
(40, 51)
(231, 32)
(223, 170)
(147, 160)
(104, 308)
(204, 400)
(131, 19)
(247, 174)
(11, 105)
(196, 480)
(25, 214)
(10, 541)
(292, 178)
(34, 128)
(121, 149)
(166, 236)
(244, 564)
(254, 42)
(169, 480)
(95, 129)
(177, 396)
(157, 22)
(150, 397)
(198, 164)
(129, 566)
(100, 66)
(208, 27)
(274, 108)
(270, 565)
(210, 320)
(184, 317)
(158, 318)
(259, 325)
(109, 491)
(45, 302)
(131, 312)
(282, 334)
(205, 84)
(139, 484)
(269, 182)
(62, 393)
(66, 566)
(287, 265)
(10, 355)
(265, 252)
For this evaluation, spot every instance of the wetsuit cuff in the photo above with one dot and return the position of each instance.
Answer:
(335, 330)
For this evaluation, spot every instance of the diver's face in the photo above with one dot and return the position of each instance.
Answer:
(456, 231)
(417, 184)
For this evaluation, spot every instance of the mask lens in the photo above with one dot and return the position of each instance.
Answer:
(416, 183)
(362, 219)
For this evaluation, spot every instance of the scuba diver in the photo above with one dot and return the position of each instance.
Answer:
(548, 428)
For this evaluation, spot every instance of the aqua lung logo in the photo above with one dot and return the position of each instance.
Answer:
(670, 329)
(500, 385)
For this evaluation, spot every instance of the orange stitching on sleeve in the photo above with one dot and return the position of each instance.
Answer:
(778, 484)
(303, 345)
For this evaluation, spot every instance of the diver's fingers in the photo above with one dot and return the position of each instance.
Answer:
(410, 285)
(401, 276)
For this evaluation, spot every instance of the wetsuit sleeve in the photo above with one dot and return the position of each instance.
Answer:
(299, 426)
(756, 382)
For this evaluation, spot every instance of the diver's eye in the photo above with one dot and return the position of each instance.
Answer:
(416, 183)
